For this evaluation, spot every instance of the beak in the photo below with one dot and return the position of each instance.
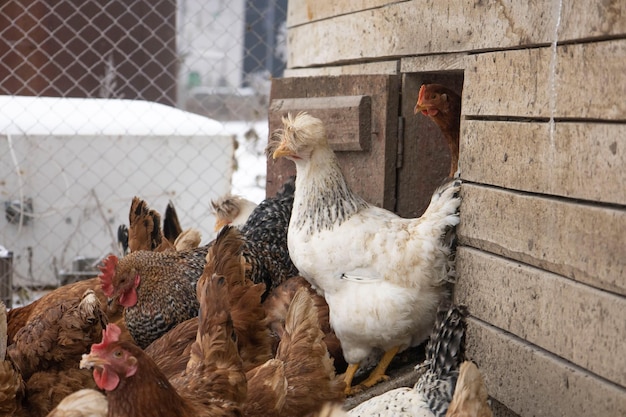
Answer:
(419, 108)
(90, 361)
(281, 151)
(219, 224)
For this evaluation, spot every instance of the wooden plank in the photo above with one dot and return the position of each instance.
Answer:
(369, 68)
(532, 382)
(305, 11)
(423, 27)
(579, 241)
(582, 160)
(583, 20)
(584, 81)
(434, 63)
(348, 119)
(372, 173)
(579, 323)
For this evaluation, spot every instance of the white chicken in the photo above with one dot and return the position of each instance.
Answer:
(383, 276)
(432, 394)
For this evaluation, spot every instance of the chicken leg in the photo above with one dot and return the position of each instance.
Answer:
(376, 376)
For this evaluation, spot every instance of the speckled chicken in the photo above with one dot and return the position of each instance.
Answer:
(156, 289)
(249, 320)
(265, 235)
(431, 395)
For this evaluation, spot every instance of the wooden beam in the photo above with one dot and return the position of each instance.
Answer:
(579, 323)
(579, 241)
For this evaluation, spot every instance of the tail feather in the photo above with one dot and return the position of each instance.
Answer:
(444, 353)
(171, 224)
(253, 336)
(214, 364)
(122, 239)
(188, 239)
(267, 398)
(144, 228)
(445, 202)
(470, 395)
(306, 358)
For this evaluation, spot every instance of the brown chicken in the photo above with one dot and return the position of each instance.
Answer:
(443, 106)
(276, 306)
(213, 383)
(253, 337)
(301, 378)
(18, 317)
(12, 388)
(470, 397)
(48, 349)
(231, 209)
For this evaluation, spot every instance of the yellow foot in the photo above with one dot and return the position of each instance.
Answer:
(373, 380)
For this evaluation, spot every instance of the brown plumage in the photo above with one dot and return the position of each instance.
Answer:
(301, 378)
(12, 387)
(253, 337)
(48, 349)
(171, 351)
(277, 304)
(443, 106)
(213, 383)
(144, 229)
(470, 397)
(18, 317)
(188, 239)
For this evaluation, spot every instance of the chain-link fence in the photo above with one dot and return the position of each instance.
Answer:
(102, 101)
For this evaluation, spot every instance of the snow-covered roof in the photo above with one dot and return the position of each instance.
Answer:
(99, 116)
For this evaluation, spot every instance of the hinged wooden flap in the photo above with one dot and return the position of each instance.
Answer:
(360, 113)
(348, 119)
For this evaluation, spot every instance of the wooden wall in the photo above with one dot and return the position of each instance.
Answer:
(542, 260)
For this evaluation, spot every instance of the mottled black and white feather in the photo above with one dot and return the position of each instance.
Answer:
(431, 395)
(265, 235)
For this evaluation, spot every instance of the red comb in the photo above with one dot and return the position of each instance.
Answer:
(420, 97)
(106, 276)
(109, 335)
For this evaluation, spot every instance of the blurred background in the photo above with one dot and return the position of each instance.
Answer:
(101, 101)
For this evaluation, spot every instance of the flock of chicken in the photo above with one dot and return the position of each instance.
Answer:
(274, 317)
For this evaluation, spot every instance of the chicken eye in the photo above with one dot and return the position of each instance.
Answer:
(117, 353)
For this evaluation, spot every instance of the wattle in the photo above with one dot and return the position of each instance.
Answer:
(105, 380)
(128, 298)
